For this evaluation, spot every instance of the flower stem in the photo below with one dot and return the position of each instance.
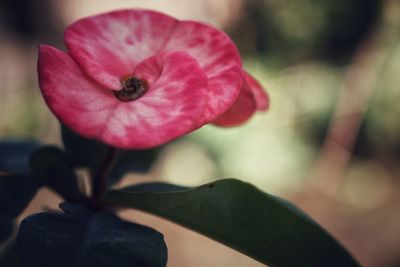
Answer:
(99, 183)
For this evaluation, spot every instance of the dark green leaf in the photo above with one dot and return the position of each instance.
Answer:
(243, 217)
(9, 256)
(52, 167)
(79, 237)
(16, 191)
(14, 155)
(157, 187)
(6, 228)
(90, 153)
(83, 151)
(138, 161)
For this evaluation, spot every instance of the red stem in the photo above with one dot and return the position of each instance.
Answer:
(99, 183)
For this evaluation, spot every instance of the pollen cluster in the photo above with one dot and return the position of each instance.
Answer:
(132, 89)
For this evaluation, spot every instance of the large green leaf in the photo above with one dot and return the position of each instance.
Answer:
(80, 237)
(237, 214)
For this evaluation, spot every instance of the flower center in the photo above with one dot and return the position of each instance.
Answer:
(132, 89)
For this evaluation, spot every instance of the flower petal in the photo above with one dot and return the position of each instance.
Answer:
(73, 97)
(260, 95)
(217, 55)
(240, 111)
(110, 45)
(173, 105)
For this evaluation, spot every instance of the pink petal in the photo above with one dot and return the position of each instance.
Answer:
(260, 95)
(72, 96)
(173, 105)
(217, 55)
(110, 45)
(240, 111)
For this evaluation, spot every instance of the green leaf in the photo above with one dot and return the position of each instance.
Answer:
(6, 228)
(52, 167)
(9, 256)
(241, 216)
(157, 187)
(14, 155)
(138, 161)
(90, 153)
(16, 191)
(80, 237)
(83, 151)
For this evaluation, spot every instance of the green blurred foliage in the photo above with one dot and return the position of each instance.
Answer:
(291, 31)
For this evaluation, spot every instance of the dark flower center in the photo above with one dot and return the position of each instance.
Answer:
(132, 89)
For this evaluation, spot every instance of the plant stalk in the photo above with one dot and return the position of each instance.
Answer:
(99, 182)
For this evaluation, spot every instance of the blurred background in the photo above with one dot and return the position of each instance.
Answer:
(330, 141)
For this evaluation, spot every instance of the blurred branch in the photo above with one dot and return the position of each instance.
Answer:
(361, 79)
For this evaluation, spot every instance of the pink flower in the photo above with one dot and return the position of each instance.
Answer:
(139, 78)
